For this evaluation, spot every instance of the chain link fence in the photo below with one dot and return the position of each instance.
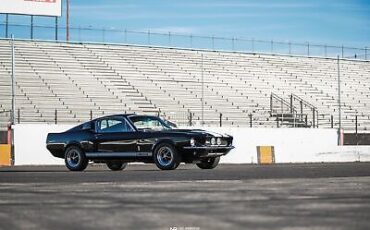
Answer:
(170, 39)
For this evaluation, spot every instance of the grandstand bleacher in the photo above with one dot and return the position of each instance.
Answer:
(72, 79)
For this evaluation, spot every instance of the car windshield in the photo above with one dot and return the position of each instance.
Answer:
(151, 123)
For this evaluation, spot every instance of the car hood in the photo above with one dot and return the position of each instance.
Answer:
(196, 132)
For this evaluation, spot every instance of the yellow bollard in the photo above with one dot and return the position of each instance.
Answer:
(266, 154)
(5, 155)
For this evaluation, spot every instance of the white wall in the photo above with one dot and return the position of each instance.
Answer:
(30, 144)
(291, 145)
(297, 145)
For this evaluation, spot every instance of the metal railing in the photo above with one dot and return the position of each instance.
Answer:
(170, 39)
(296, 112)
(282, 111)
(358, 123)
(180, 118)
(306, 108)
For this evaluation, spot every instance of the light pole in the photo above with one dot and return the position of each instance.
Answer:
(67, 21)
(202, 75)
(339, 104)
(13, 80)
(6, 25)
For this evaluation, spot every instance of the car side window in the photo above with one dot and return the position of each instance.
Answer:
(86, 126)
(111, 125)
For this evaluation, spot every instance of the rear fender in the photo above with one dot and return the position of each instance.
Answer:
(73, 143)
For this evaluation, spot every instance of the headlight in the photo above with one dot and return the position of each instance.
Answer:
(218, 141)
(192, 142)
(213, 141)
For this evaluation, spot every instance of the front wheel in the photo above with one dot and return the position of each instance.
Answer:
(116, 165)
(166, 157)
(75, 159)
(209, 163)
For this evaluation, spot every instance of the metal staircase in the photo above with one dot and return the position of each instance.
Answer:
(295, 113)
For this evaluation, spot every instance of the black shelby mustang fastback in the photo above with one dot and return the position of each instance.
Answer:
(119, 139)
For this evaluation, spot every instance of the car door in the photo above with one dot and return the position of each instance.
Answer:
(114, 137)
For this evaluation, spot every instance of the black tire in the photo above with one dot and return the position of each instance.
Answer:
(75, 159)
(166, 157)
(116, 165)
(209, 163)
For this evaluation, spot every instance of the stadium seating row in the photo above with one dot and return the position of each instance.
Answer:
(74, 79)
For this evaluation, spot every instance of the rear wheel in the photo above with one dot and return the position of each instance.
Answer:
(209, 163)
(116, 165)
(166, 157)
(75, 159)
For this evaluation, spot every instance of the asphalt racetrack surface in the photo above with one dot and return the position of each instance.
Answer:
(281, 196)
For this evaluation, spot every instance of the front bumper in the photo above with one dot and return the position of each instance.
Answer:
(208, 151)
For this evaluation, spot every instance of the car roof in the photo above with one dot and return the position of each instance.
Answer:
(123, 115)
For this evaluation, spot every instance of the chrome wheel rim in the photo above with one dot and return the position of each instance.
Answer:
(165, 156)
(73, 158)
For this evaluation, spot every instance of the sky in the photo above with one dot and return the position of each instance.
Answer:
(335, 22)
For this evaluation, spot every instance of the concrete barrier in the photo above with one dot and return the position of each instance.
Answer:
(298, 145)
(5, 155)
(30, 144)
(291, 145)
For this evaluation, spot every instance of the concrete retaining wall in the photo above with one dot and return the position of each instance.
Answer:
(291, 145)
(297, 145)
(30, 144)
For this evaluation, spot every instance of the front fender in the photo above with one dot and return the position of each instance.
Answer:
(161, 141)
(177, 142)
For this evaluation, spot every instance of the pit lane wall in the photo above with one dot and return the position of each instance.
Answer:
(297, 145)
